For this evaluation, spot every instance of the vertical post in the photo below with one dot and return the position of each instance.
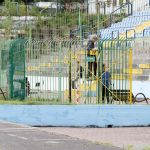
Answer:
(126, 37)
(70, 72)
(98, 17)
(30, 34)
(80, 27)
(17, 7)
(24, 67)
(131, 9)
(103, 46)
(130, 73)
(26, 14)
(98, 72)
(110, 19)
(87, 7)
(60, 68)
(128, 9)
(1, 55)
(104, 8)
(96, 6)
(143, 32)
(11, 71)
(57, 7)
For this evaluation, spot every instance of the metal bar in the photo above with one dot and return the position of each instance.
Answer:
(130, 73)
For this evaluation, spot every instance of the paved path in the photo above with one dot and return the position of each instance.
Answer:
(126, 138)
(19, 137)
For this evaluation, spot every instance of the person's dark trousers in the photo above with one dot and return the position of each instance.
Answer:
(89, 69)
(90, 65)
(95, 67)
(105, 93)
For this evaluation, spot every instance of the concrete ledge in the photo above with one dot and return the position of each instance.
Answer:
(77, 115)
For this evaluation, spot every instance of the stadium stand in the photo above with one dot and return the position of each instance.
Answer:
(136, 26)
(139, 23)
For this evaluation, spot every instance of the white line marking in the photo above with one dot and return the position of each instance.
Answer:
(11, 134)
(53, 142)
(19, 137)
(16, 129)
(55, 139)
(7, 122)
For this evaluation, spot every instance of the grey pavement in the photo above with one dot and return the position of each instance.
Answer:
(20, 137)
(136, 138)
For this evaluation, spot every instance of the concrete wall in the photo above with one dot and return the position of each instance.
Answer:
(52, 84)
(77, 115)
(138, 5)
(108, 10)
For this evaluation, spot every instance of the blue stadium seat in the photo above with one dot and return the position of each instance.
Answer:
(127, 24)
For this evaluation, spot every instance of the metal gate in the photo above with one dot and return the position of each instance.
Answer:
(58, 71)
(16, 66)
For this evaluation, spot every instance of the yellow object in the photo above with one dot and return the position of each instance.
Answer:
(138, 29)
(73, 94)
(85, 87)
(134, 71)
(45, 65)
(92, 52)
(33, 68)
(144, 66)
(119, 77)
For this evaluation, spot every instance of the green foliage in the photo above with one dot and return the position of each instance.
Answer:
(34, 11)
(10, 7)
(147, 148)
(22, 10)
(70, 1)
(129, 147)
(7, 24)
(120, 2)
(69, 20)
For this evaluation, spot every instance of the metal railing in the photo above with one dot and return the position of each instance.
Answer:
(64, 72)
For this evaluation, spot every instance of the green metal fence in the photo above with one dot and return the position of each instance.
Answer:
(52, 64)
(16, 76)
(58, 71)
(4, 65)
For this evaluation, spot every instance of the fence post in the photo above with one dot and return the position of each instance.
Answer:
(70, 71)
(60, 68)
(98, 72)
(104, 8)
(80, 27)
(131, 9)
(130, 73)
(11, 70)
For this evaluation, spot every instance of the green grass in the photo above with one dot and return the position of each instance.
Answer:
(129, 147)
(147, 148)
